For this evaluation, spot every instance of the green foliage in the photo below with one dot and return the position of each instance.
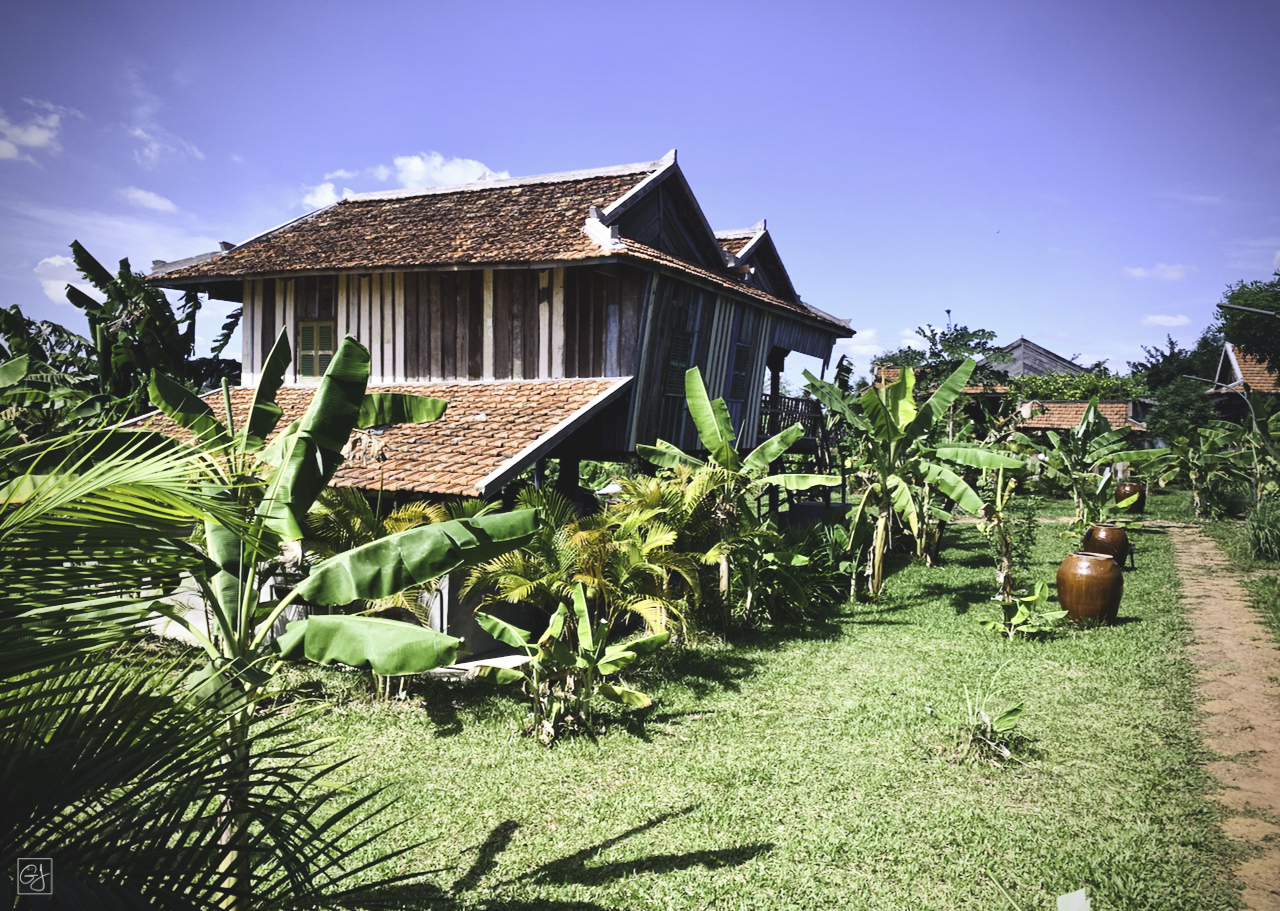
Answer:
(1026, 616)
(1207, 462)
(947, 349)
(902, 470)
(1077, 386)
(982, 734)
(1256, 334)
(565, 667)
(1262, 529)
(134, 332)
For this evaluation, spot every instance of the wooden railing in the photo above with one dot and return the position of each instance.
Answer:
(779, 412)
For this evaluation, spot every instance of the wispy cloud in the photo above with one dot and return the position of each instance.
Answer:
(341, 174)
(145, 199)
(1157, 319)
(1194, 199)
(1161, 272)
(1253, 253)
(156, 144)
(37, 132)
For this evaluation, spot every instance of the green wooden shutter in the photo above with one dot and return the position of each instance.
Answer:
(680, 360)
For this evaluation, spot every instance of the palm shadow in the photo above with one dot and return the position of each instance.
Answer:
(570, 869)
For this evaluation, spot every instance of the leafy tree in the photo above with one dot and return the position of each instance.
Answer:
(1181, 403)
(947, 350)
(134, 331)
(1255, 333)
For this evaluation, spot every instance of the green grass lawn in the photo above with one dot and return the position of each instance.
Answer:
(803, 771)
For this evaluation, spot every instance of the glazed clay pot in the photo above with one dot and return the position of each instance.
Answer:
(1126, 489)
(1107, 539)
(1089, 588)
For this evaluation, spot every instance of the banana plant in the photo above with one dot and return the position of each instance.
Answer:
(1076, 458)
(1205, 460)
(562, 677)
(242, 555)
(733, 481)
(895, 436)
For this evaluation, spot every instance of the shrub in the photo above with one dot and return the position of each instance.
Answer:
(1262, 530)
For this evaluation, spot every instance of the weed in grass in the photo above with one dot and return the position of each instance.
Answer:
(1262, 530)
(983, 735)
(1026, 616)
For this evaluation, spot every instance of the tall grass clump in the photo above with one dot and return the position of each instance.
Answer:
(1262, 530)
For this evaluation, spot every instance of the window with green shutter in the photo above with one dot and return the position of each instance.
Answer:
(315, 347)
(741, 378)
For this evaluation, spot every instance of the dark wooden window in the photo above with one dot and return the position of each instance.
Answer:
(315, 347)
(741, 377)
(680, 360)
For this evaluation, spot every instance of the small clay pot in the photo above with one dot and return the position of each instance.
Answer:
(1089, 588)
(1126, 489)
(1107, 539)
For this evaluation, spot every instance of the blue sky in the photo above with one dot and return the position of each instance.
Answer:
(1089, 175)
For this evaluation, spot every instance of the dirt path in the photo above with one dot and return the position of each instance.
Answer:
(1239, 668)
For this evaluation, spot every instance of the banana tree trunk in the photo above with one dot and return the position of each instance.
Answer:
(879, 544)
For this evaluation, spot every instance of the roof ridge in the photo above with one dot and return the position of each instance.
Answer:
(561, 177)
(755, 229)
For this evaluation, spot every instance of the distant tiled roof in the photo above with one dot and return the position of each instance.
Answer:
(1254, 371)
(490, 432)
(734, 241)
(1063, 415)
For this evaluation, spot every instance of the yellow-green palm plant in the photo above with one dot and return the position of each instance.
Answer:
(727, 483)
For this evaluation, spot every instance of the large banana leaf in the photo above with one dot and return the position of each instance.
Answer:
(799, 481)
(904, 504)
(837, 400)
(878, 415)
(388, 565)
(665, 455)
(387, 647)
(309, 459)
(953, 486)
(264, 413)
(13, 371)
(977, 456)
(763, 455)
(715, 429)
(379, 408)
(899, 398)
(942, 399)
(187, 410)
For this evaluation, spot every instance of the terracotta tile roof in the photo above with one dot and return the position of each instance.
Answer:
(490, 432)
(1064, 415)
(1254, 371)
(734, 243)
(640, 252)
(508, 221)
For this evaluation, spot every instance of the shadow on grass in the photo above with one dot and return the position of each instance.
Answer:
(960, 598)
(702, 671)
(571, 869)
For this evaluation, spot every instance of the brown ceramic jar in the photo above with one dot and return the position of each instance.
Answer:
(1107, 539)
(1089, 588)
(1126, 489)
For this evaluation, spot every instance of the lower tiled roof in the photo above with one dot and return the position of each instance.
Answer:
(1064, 415)
(490, 432)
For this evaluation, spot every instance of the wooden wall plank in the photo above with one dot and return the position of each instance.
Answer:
(642, 385)
(411, 331)
(451, 318)
(342, 323)
(375, 329)
(571, 282)
(486, 336)
(544, 324)
(557, 322)
(471, 344)
(585, 328)
(498, 324)
(288, 321)
(629, 299)
(399, 336)
(516, 316)
(532, 324)
(266, 292)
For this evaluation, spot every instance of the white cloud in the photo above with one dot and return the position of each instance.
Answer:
(321, 195)
(145, 199)
(1156, 319)
(157, 143)
(38, 132)
(431, 169)
(1161, 272)
(342, 174)
(56, 272)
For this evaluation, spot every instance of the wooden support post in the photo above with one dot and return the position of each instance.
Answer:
(777, 358)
